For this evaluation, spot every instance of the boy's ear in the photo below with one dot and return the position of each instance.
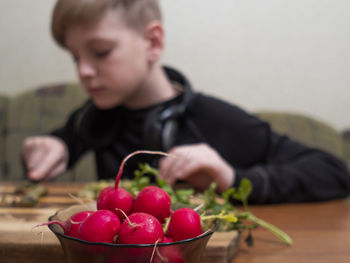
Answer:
(154, 34)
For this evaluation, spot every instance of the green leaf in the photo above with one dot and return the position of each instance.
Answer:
(228, 193)
(209, 196)
(243, 192)
(184, 195)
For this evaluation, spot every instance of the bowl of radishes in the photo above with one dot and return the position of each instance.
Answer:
(89, 235)
(120, 227)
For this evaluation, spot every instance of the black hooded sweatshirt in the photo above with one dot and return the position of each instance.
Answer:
(280, 169)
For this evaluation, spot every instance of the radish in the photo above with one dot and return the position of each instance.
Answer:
(101, 226)
(155, 201)
(71, 225)
(167, 240)
(111, 198)
(140, 228)
(169, 254)
(184, 223)
(117, 198)
(118, 257)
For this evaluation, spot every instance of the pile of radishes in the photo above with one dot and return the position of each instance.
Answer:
(121, 218)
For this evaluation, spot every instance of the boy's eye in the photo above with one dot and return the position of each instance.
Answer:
(102, 53)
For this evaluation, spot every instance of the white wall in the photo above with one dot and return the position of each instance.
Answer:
(261, 54)
(29, 56)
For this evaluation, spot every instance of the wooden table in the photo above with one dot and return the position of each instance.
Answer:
(320, 231)
(19, 240)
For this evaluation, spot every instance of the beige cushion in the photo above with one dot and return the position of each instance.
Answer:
(39, 111)
(305, 129)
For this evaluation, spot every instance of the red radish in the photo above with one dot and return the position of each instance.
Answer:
(167, 240)
(154, 201)
(168, 254)
(118, 257)
(171, 253)
(111, 198)
(140, 228)
(118, 198)
(101, 226)
(184, 223)
(71, 225)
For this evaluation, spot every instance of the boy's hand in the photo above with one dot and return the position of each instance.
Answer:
(44, 157)
(198, 164)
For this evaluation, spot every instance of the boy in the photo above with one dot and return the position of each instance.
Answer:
(138, 104)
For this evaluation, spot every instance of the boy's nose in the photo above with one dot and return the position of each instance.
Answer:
(85, 69)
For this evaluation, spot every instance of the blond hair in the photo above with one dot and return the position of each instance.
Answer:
(136, 14)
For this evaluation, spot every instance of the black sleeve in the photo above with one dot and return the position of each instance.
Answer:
(293, 173)
(280, 169)
(70, 135)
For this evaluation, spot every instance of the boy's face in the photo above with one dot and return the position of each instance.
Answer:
(111, 59)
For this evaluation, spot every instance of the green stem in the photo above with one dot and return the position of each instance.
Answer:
(229, 217)
(166, 225)
(150, 170)
(273, 229)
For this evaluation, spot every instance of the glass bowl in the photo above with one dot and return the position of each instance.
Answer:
(80, 251)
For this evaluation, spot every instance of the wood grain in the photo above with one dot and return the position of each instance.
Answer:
(320, 231)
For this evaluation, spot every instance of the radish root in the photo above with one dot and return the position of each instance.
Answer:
(154, 250)
(78, 200)
(126, 217)
(133, 154)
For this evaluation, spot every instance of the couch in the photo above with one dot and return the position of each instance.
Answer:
(39, 110)
(33, 112)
